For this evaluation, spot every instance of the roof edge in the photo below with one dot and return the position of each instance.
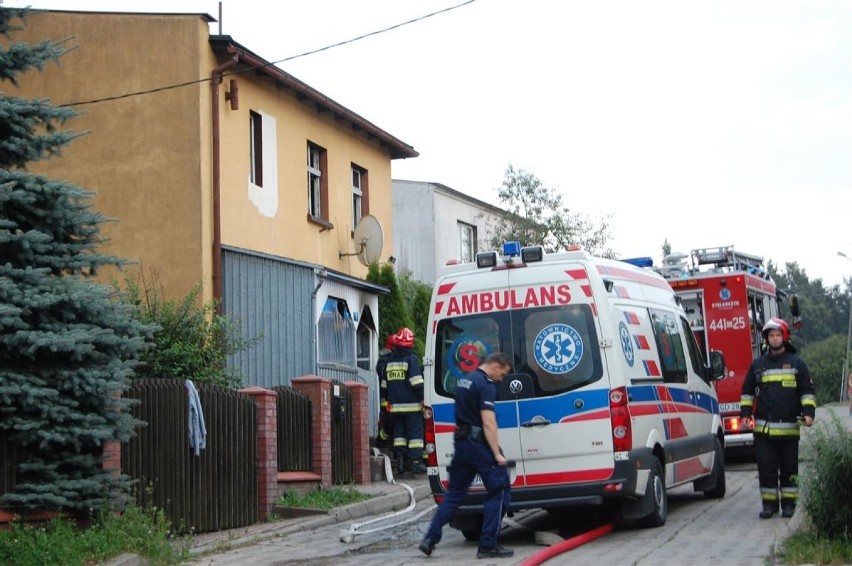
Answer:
(397, 148)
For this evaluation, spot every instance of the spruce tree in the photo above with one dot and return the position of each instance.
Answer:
(67, 345)
(392, 312)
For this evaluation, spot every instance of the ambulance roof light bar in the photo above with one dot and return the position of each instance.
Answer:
(486, 259)
(640, 261)
(511, 249)
(509, 252)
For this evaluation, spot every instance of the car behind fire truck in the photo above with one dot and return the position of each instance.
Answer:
(727, 296)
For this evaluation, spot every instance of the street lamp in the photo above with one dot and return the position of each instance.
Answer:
(848, 340)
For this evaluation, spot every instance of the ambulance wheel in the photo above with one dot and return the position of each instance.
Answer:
(659, 498)
(469, 525)
(718, 491)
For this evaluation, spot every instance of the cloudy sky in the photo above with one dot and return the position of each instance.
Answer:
(712, 123)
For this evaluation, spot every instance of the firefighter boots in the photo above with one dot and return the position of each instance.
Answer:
(788, 508)
(769, 509)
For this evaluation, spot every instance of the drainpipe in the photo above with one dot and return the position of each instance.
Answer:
(321, 275)
(217, 180)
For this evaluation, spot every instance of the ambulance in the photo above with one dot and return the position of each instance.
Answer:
(609, 403)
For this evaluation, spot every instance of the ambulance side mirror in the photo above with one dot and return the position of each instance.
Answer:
(716, 369)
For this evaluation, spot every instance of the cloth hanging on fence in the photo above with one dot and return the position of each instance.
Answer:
(197, 430)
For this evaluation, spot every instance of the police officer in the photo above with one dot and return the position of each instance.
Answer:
(779, 389)
(403, 385)
(477, 451)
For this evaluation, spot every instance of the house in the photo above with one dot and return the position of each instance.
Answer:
(223, 170)
(434, 224)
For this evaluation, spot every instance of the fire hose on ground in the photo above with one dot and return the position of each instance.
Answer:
(355, 529)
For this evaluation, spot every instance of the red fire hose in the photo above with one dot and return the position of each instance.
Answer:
(566, 545)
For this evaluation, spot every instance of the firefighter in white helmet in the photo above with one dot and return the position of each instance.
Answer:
(779, 394)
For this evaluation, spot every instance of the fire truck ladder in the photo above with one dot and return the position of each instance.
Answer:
(725, 256)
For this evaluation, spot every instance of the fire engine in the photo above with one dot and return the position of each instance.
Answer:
(728, 296)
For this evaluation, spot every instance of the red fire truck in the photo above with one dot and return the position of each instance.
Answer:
(727, 296)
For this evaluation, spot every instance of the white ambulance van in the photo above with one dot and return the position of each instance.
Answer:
(609, 403)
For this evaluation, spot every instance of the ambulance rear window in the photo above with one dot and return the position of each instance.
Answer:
(556, 346)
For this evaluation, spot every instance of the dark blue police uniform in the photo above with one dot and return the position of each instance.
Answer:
(473, 456)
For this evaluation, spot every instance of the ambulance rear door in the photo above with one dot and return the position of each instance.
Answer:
(560, 386)
(471, 320)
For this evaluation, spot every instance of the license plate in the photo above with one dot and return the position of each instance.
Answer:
(729, 407)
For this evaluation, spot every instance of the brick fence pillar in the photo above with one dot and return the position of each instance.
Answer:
(318, 390)
(360, 431)
(267, 448)
(111, 459)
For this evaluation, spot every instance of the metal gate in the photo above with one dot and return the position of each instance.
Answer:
(342, 460)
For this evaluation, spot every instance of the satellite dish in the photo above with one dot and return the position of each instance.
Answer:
(369, 240)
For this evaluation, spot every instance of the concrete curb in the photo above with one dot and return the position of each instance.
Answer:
(393, 497)
(395, 500)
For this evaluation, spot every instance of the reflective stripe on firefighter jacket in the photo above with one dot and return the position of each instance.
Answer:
(402, 383)
(778, 391)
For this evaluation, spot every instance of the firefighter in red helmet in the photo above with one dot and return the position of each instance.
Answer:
(402, 389)
(779, 393)
(385, 432)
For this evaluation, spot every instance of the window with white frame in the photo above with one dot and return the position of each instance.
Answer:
(317, 183)
(256, 147)
(357, 196)
(467, 242)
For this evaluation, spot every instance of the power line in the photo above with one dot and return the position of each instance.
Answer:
(252, 68)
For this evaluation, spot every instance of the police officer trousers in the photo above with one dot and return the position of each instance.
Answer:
(473, 458)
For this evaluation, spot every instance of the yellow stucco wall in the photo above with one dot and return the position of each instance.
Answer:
(149, 157)
(288, 233)
(146, 157)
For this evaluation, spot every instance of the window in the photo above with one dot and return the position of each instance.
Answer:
(554, 349)
(256, 147)
(467, 242)
(317, 184)
(360, 195)
(694, 351)
(336, 334)
(364, 341)
(669, 346)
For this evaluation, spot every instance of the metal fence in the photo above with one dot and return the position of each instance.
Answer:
(342, 448)
(294, 430)
(214, 490)
(9, 457)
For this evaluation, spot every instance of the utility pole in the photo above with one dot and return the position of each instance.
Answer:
(848, 342)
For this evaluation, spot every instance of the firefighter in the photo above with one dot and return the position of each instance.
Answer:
(385, 432)
(403, 386)
(779, 393)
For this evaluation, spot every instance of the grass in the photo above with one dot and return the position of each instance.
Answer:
(321, 498)
(826, 482)
(58, 541)
(808, 548)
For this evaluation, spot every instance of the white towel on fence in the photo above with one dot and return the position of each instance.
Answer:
(197, 430)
